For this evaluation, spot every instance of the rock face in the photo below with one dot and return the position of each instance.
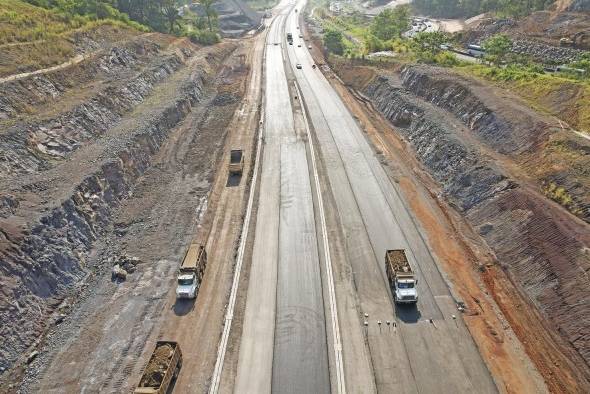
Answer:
(454, 132)
(579, 6)
(546, 53)
(25, 147)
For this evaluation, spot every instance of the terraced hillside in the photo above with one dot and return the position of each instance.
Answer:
(77, 140)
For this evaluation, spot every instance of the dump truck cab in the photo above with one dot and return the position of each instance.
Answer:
(405, 291)
(187, 285)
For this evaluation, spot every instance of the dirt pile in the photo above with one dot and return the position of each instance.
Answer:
(74, 157)
(489, 155)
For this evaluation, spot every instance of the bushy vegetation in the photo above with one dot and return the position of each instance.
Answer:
(468, 8)
(89, 10)
(158, 15)
(204, 37)
(22, 22)
(333, 42)
(360, 36)
(391, 23)
(497, 48)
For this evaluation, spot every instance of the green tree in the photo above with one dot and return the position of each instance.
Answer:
(391, 23)
(210, 12)
(497, 47)
(373, 44)
(333, 42)
(427, 45)
(171, 14)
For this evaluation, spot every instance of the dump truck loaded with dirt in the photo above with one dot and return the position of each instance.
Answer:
(191, 271)
(402, 280)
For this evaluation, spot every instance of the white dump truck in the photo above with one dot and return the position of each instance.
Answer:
(401, 277)
(191, 271)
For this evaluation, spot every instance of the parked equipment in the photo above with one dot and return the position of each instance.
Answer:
(162, 369)
(475, 50)
(579, 40)
(191, 271)
(401, 277)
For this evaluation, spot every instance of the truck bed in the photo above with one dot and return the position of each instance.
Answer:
(159, 371)
(191, 259)
(235, 156)
(398, 261)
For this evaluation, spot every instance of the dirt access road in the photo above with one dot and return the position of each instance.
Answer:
(198, 326)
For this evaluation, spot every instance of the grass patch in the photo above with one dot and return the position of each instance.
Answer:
(354, 28)
(21, 22)
(558, 194)
(560, 95)
(33, 38)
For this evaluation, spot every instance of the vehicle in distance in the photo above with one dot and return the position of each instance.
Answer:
(162, 369)
(236, 161)
(309, 47)
(191, 271)
(290, 38)
(298, 66)
(475, 50)
(299, 45)
(401, 277)
(300, 35)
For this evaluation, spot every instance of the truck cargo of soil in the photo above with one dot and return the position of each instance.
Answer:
(162, 369)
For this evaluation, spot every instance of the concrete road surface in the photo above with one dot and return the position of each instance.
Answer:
(429, 351)
(284, 344)
(283, 347)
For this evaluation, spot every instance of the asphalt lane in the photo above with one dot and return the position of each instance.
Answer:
(283, 346)
(254, 372)
(428, 351)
